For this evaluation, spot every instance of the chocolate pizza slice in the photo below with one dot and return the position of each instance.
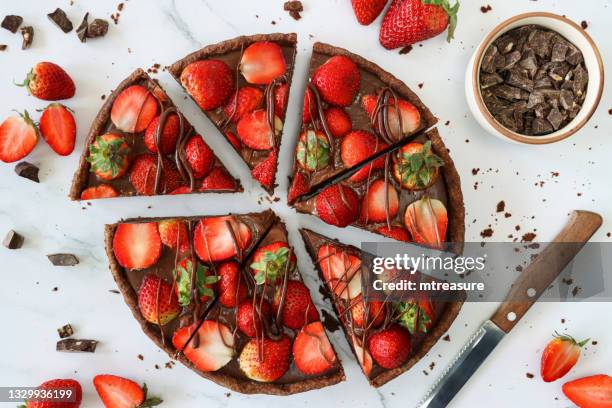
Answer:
(141, 144)
(387, 334)
(242, 86)
(352, 110)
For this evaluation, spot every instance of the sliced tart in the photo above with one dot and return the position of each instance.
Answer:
(387, 337)
(141, 144)
(349, 114)
(242, 86)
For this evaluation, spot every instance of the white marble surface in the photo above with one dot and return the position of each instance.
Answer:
(163, 31)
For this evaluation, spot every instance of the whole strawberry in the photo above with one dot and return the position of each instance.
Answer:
(60, 386)
(275, 361)
(411, 21)
(157, 300)
(390, 347)
(366, 11)
(49, 81)
(209, 82)
(337, 80)
(298, 308)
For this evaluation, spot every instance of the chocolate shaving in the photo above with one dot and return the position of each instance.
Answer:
(65, 331)
(63, 259)
(61, 20)
(13, 240)
(76, 346)
(12, 23)
(28, 37)
(28, 171)
(294, 8)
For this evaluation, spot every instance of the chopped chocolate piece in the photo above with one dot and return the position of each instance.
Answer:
(506, 42)
(541, 126)
(542, 83)
(488, 60)
(555, 118)
(97, 28)
(485, 9)
(580, 80)
(27, 170)
(535, 99)
(405, 50)
(507, 92)
(65, 331)
(488, 80)
(501, 206)
(574, 56)
(558, 52)
(12, 23)
(28, 37)
(76, 345)
(60, 19)
(63, 259)
(3, 47)
(13, 240)
(82, 29)
(294, 8)
(584, 24)
(529, 62)
(512, 59)
(517, 77)
(566, 98)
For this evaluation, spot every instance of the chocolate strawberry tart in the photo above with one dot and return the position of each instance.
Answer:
(387, 337)
(242, 86)
(222, 294)
(141, 144)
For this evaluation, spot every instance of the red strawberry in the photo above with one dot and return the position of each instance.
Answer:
(338, 121)
(373, 204)
(49, 81)
(169, 135)
(118, 392)
(248, 320)
(397, 233)
(59, 386)
(174, 233)
(265, 171)
(337, 80)
(270, 261)
(214, 348)
(310, 105)
(312, 351)
(298, 308)
(312, 151)
(58, 128)
(275, 361)
(357, 147)
(200, 157)
(157, 300)
(18, 137)
(590, 392)
(255, 132)
(368, 102)
(299, 187)
(411, 21)
(390, 347)
(262, 62)
(416, 167)
(247, 98)
(427, 220)
(281, 96)
(233, 139)
(137, 245)
(214, 238)
(99, 191)
(134, 109)
(559, 356)
(415, 316)
(205, 281)
(366, 11)
(363, 356)
(376, 313)
(341, 271)
(411, 117)
(143, 171)
(218, 179)
(181, 190)
(108, 156)
(209, 82)
(338, 205)
(230, 294)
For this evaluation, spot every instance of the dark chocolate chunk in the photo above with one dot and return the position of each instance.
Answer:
(555, 118)
(60, 19)
(97, 28)
(506, 92)
(580, 80)
(519, 79)
(294, 8)
(12, 23)
(488, 80)
(405, 50)
(82, 28)
(574, 56)
(3, 47)
(558, 52)
(76, 345)
(28, 36)
(506, 43)
(27, 170)
(13, 240)
(488, 60)
(540, 83)
(541, 126)
(529, 62)
(511, 59)
(566, 99)
(63, 259)
(65, 331)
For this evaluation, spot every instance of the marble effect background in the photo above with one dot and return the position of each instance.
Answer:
(162, 31)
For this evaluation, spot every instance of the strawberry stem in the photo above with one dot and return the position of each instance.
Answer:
(452, 12)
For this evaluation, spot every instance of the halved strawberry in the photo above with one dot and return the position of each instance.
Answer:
(397, 233)
(134, 109)
(299, 187)
(173, 234)
(58, 128)
(255, 132)
(363, 356)
(143, 172)
(338, 121)
(205, 281)
(338, 205)
(232, 289)
(209, 82)
(559, 356)
(137, 245)
(390, 347)
(274, 364)
(298, 308)
(18, 137)
(49, 81)
(218, 179)
(341, 271)
(356, 147)
(594, 391)
(244, 100)
(233, 139)
(373, 204)
(200, 157)
(118, 392)
(250, 315)
(214, 238)
(262, 62)
(337, 80)
(375, 316)
(99, 191)
(366, 11)
(313, 150)
(427, 221)
(157, 301)
(281, 96)
(108, 156)
(169, 135)
(50, 391)
(265, 171)
(312, 351)
(181, 190)
(310, 105)
(214, 348)
(411, 117)
(416, 166)
(270, 261)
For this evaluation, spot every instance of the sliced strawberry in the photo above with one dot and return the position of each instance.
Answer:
(209, 82)
(270, 261)
(341, 271)
(281, 97)
(50, 390)
(397, 233)
(205, 281)
(375, 316)
(218, 179)
(250, 315)
(363, 356)
(411, 117)
(559, 356)
(109, 156)
(590, 392)
(137, 245)
(366, 11)
(390, 347)
(58, 128)
(266, 362)
(143, 171)
(213, 349)
(337, 205)
(262, 62)
(310, 105)
(118, 392)
(233, 139)
(99, 191)
(338, 80)
(181, 190)
(214, 238)
(368, 102)
(173, 234)
(157, 301)
(49, 81)
(200, 157)
(312, 351)
(232, 288)
(18, 137)
(338, 121)
(134, 109)
(299, 187)
(357, 147)
(373, 206)
(244, 100)
(169, 135)
(255, 132)
(265, 171)
(427, 221)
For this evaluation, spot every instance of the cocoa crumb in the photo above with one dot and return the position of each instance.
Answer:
(576, 290)
(432, 365)
(501, 206)
(228, 394)
(120, 6)
(103, 97)
(294, 8)
(519, 268)
(446, 338)
(610, 111)
(485, 9)
(529, 375)
(594, 342)
(567, 281)
(507, 215)
(421, 85)
(563, 321)
(425, 372)
(554, 173)
(476, 186)
(609, 234)
(3, 47)
(115, 291)
(169, 364)
(528, 237)
(517, 227)
(157, 366)
(408, 48)
(115, 18)
(140, 357)
(486, 233)
(447, 123)
(584, 24)
(475, 171)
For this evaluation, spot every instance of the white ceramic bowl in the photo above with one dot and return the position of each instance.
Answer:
(573, 33)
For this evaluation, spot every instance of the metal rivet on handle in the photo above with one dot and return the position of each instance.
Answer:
(511, 316)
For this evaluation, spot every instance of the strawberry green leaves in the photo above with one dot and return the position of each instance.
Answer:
(271, 265)
(416, 317)
(452, 15)
(204, 281)
(416, 166)
(313, 150)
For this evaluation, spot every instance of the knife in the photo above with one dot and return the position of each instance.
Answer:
(537, 276)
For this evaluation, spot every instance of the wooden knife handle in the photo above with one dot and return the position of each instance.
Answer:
(538, 276)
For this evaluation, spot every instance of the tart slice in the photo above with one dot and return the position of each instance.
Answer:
(141, 144)
(242, 86)
(352, 110)
(387, 337)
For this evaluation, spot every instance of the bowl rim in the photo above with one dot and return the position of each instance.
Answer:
(485, 111)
